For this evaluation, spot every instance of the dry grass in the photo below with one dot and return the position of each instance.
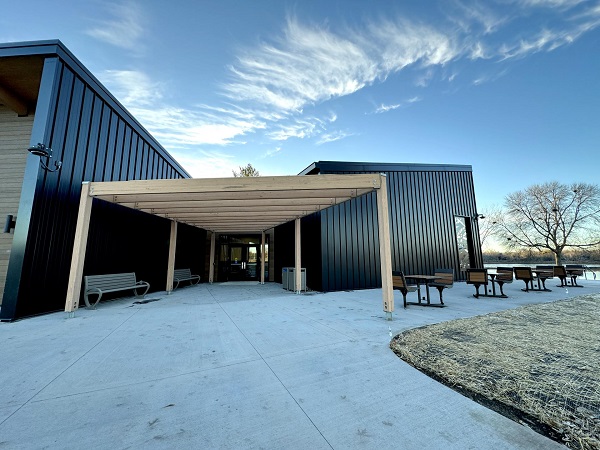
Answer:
(538, 364)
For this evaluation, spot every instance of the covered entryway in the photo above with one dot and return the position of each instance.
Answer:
(233, 205)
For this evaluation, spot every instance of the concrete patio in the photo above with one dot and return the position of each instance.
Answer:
(240, 365)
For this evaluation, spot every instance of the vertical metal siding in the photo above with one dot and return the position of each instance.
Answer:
(422, 207)
(94, 143)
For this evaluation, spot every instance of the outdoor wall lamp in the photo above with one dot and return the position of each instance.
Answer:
(478, 216)
(44, 152)
(10, 224)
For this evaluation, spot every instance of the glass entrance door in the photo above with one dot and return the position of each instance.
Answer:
(243, 262)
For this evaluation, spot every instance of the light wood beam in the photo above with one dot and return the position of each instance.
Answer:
(338, 194)
(385, 253)
(262, 258)
(79, 249)
(224, 208)
(256, 214)
(211, 268)
(239, 184)
(171, 261)
(298, 257)
(158, 206)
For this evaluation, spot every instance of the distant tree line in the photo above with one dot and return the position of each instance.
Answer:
(530, 256)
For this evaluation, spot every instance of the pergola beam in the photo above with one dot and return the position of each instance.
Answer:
(298, 256)
(385, 253)
(211, 268)
(79, 248)
(262, 258)
(240, 184)
(158, 206)
(339, 195)
(171, 261)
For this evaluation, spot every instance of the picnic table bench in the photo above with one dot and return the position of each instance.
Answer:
(444, 280)
(399, 283)
(525, 274)
(114, 282)
(180, 275)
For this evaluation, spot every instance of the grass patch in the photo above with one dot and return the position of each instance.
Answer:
(537, 364)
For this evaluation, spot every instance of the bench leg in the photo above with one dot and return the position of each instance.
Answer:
(440, 289)
(87, 301)
(501, 285)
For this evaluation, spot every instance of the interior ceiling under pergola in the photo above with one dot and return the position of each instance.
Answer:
(236, 205)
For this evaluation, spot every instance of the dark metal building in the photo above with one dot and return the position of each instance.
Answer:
(433, 224)
(47, 96)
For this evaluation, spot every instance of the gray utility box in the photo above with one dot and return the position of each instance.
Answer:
(291, 279)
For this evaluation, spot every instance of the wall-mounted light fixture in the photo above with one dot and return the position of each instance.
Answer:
(478, 216)
(44, 152)
(11, 221)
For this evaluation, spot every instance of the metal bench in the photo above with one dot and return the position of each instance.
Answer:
(114, 282)
(180, 275)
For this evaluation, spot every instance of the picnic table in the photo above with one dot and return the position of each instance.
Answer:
(419, 280)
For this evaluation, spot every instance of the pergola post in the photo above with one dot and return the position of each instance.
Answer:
(298, 257)
(211, 268)
(385, 253)
(79, 248)
(262, 258)
(171, 263)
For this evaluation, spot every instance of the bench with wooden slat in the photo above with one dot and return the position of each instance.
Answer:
(114, 282)
(444, 279)
(504, 276)
(180, 275)
(399, 283)
(478, 277)
(524, 274)
(575, 270)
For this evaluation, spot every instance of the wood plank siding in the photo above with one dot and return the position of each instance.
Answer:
(15, 133)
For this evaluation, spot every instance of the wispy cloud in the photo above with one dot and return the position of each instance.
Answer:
(273, 87)
(383, 108)
(272, 152)
(177, 127)
(551, 3)
(333, 136)
(312, 64)
(299, 128)
(124, 28)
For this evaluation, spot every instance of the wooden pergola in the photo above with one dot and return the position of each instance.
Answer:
(215, 204)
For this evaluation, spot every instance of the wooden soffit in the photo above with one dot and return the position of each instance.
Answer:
(236, 205)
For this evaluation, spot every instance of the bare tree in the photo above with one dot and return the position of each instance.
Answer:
(552, 216)
(489, 223)
(247, 171)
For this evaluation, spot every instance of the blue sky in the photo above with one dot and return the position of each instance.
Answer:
(511, 87)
